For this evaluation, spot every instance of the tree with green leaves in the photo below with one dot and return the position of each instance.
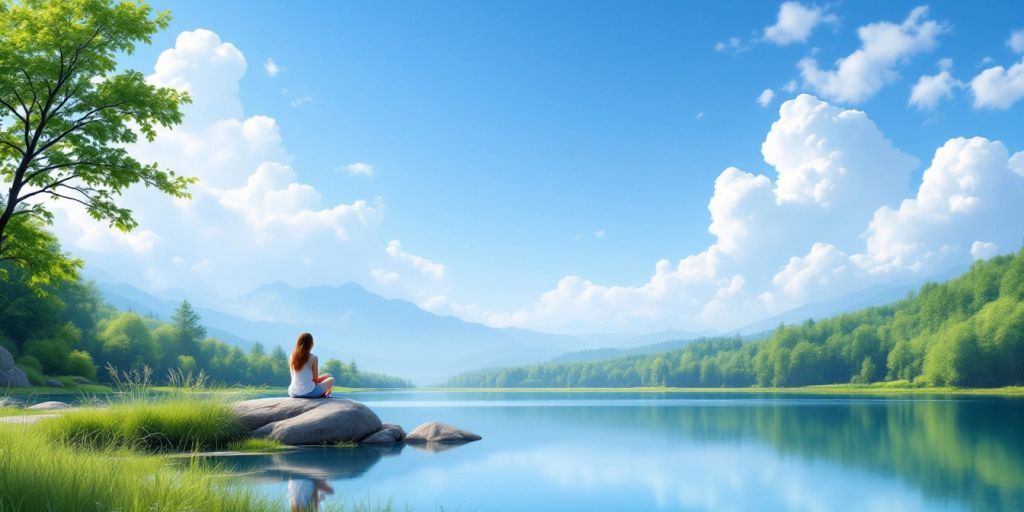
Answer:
(188, 330)
(66, 115)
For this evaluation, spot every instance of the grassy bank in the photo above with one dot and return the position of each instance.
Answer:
(17, 411)
(67, 390)
(37, 473)
(178, 424)
(881, 389)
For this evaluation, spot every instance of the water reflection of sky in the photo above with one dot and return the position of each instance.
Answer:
(610, 454)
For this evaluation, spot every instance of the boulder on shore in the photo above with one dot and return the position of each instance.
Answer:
(388, 434)
(54, 383)
(435, 432)
(49, 406)
(304, 421)
(10, 375)
(80, 380)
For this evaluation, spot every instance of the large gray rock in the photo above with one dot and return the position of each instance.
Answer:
(302, 421)
(10, 375)
(54, 383)
(49, 406)
(388, 434)
(435, 432)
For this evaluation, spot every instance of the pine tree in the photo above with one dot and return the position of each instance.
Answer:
(187, 329)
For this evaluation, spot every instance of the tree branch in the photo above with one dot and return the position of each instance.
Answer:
(79, 123)
(69, 198)
(13, 110)
(12, 146)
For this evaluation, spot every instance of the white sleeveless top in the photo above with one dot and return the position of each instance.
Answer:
(302, 380)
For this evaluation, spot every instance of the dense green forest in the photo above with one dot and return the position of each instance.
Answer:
(965, 332)
(67, 330)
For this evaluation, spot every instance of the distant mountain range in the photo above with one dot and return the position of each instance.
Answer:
(397, 337)
(351, 323)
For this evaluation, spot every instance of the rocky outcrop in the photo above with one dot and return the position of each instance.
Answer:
(49, 406)
(388, 434)
(435, 432)
(10, 375)
(302, 421)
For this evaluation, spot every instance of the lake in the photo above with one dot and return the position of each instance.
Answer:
(671, 451)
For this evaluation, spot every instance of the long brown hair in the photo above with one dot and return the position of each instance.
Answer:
(300, 356)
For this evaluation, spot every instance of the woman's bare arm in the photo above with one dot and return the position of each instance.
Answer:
(317, 378)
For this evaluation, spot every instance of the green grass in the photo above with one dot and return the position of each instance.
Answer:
(346, 444)
(178, 424)
(17, 411)
(38, 474)
(72, 389)
(256, 445)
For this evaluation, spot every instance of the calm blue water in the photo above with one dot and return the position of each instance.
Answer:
(629, 451)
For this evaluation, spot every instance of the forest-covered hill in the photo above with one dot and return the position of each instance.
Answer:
(68, 330)
(968, 331)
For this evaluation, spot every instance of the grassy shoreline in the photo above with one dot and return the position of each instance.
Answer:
(821, 390)
(881, 388)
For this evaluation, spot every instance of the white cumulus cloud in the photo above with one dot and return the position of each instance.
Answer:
(796, 22)
(252, 219)
(765, 98)
(930, 89)
(884, 46)
(838, 216)
(998, 87)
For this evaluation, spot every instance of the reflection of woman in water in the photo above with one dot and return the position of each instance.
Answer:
(305, 494)
(306, 379)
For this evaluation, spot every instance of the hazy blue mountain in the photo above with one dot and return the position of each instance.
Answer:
(351, 323)
(625, 341)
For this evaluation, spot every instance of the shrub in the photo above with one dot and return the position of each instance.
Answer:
(35, 377)
(80, 364)
(8, 344)
(52, 353)
(31, 366)
(30, 362)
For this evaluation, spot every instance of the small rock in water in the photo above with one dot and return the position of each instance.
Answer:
(435, 432)
(388, 434)
(49, 406)
(54, 383)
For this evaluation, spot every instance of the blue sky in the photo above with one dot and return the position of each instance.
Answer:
(505, 136)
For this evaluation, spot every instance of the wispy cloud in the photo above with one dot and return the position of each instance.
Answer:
(271, 68)
(359, 169)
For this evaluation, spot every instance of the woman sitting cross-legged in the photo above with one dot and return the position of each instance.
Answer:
(306, 379)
